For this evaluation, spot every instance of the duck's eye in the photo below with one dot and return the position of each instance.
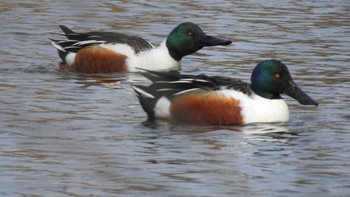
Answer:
(277, 75)
(189, 33)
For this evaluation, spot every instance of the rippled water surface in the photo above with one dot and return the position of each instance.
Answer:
(66, 134)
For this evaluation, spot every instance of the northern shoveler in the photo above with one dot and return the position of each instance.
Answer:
(216, 100)
(105, 52)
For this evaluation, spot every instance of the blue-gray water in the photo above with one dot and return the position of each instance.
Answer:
(67, 134)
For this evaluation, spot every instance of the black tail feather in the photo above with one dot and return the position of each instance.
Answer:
(147, 103)
(66, 30)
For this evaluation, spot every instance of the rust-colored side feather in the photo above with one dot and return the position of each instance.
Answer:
(96, 59)
(206, 108)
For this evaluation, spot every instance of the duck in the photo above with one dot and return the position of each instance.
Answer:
(218, 100)
(108, 52)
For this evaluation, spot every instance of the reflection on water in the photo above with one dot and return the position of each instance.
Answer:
(69, 134)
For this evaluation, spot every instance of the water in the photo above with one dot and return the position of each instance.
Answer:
(66, 134)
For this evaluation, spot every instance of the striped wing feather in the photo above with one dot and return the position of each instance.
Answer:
(76, 41)
(172, 84)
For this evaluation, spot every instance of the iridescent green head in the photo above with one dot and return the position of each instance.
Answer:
(188, 38)
(271, 78)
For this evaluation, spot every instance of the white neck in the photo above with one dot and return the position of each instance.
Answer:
(154, 59)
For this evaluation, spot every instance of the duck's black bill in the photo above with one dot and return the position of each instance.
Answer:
(295, 92)
(213, 41)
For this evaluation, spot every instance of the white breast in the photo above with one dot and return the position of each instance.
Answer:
(154, 59)
(258, 109)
